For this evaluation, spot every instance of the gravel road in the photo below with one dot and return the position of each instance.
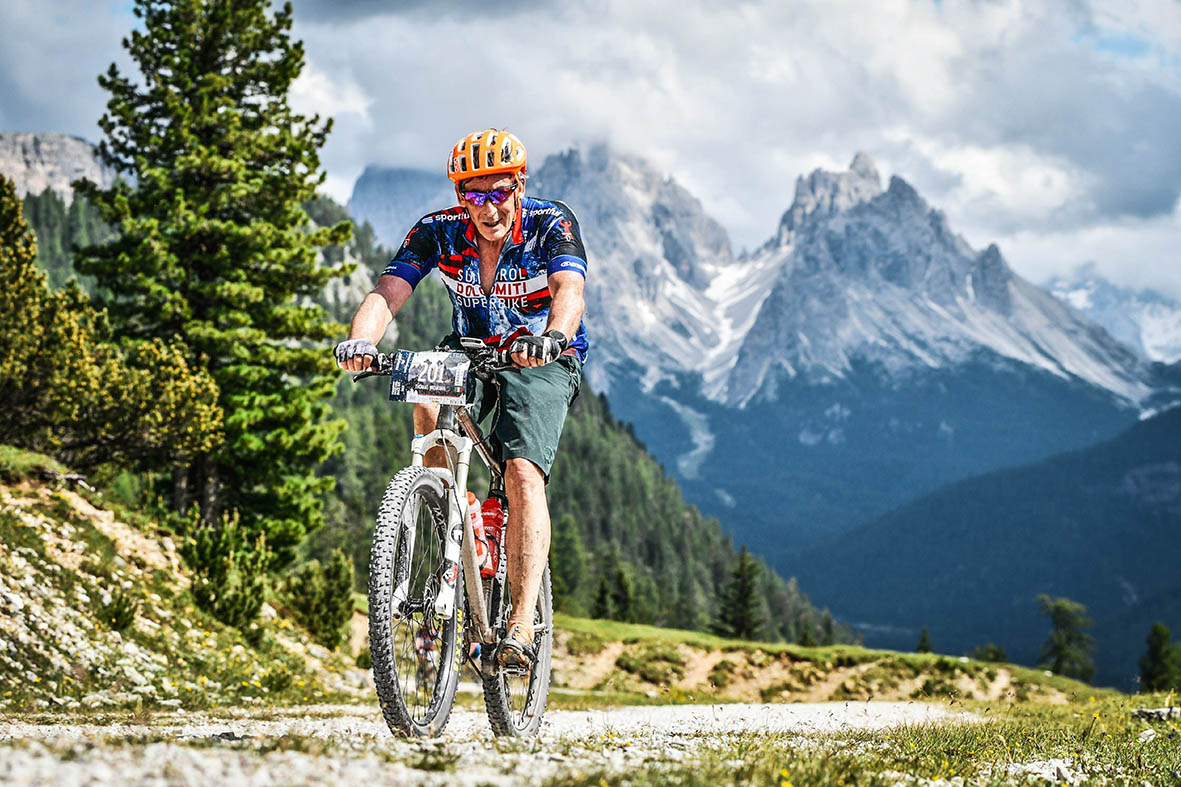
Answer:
(351, 744)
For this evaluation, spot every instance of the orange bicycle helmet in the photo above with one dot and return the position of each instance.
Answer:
(488, 152)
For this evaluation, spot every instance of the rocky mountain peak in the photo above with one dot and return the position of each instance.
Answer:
(823, 193)
(35, 162)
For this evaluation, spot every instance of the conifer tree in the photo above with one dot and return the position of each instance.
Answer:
(1160, 666)
(567, 562)
(924, 643)
(623, 600)
(740, 612)
(602, 608)
(215, 249)
(67, 391)
(1067, 650)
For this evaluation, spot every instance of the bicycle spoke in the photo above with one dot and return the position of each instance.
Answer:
(417, 634)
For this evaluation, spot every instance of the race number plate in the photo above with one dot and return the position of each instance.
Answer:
(438, 377)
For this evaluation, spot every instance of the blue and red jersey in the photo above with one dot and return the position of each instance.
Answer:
(544, 240)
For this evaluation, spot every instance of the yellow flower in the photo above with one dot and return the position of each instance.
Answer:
(1090, 699)
(1094, 715)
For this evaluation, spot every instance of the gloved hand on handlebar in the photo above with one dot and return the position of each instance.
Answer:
(530, 351)
(355, 355)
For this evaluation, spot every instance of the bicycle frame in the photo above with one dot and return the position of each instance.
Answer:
(460, 537)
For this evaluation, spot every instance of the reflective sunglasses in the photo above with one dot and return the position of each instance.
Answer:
(498, 196)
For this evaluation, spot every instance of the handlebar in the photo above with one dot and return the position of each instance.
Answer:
(486, 360)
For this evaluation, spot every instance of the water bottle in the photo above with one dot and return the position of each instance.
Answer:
(475, 514)
(493, 514)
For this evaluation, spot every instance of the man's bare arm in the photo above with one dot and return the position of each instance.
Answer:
(567, 304)
(375, 314)
(565, 311)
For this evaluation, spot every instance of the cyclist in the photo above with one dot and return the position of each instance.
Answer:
(514, 268)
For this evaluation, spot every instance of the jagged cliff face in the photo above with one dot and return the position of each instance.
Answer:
(35, 162)
(879, 277)
(653, 253)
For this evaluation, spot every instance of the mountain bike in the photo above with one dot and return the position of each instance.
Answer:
(421, 629)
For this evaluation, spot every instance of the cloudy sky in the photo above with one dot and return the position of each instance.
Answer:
(1052, 128)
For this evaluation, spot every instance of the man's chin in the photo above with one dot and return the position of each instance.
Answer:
(493, 233)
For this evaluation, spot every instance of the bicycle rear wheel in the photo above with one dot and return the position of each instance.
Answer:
(415, 663)
(515, 699)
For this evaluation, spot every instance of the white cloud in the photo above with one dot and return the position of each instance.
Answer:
(1133, 252)
(315, 91)
(1022, 119)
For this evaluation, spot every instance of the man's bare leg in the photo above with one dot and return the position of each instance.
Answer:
(425, 418)
(528, 538)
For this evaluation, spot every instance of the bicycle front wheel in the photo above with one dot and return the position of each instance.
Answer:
(415, 666)
(515, 698)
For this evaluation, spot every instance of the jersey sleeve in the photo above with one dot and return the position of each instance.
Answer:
(561, 246)
(417, 256)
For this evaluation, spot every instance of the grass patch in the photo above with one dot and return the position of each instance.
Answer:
(584, 643)
(1098, 741)
(722, 673)
(17, 464)
(656, 663)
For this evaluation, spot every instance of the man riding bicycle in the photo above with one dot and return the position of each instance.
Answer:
(514, 268)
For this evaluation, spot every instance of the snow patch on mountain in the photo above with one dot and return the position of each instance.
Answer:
(1147, 321)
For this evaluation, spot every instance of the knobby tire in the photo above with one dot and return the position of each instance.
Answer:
(407, 651)
(516, 704)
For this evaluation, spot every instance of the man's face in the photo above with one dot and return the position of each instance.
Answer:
(493, 222)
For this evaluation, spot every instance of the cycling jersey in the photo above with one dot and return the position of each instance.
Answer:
(544, 240)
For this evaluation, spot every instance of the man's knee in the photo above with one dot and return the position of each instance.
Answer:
(425, 417)
(521, 474)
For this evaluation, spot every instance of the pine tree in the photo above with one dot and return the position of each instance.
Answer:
(827, 628)
(66, 390)
(924, 644)
(740, 613)
(214, 248)
(568, 560)
(1067, 649)
(623, 600)
(602, 608)
(1160, 666)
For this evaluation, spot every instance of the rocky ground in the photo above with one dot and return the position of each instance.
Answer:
(351, 744)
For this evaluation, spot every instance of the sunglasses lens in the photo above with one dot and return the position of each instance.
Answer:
(475, 197)
(499, 196)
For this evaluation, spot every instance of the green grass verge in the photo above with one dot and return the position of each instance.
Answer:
(17, 464)
(1095, 742)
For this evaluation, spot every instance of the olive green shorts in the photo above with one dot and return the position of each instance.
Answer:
(529, 410)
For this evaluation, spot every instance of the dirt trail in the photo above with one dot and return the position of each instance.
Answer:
(350, 744)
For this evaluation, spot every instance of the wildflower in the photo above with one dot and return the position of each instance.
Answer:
(1094, 715)
(1090, 699)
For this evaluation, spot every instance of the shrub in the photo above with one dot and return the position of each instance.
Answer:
(583, 643)
(322, 597)
(119, 611)
(721, 673)
(990, 652)
(229, 567)
(655, 664)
